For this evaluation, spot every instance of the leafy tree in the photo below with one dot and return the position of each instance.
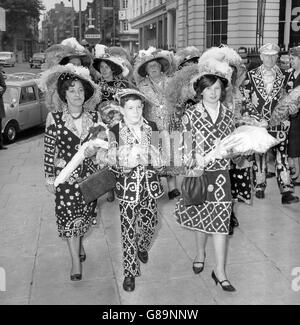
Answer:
(18, 16)
(18, 11)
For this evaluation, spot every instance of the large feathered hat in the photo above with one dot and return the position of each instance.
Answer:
(228, 55)
(102, 54)
(178, 89)
(52, 79)
(165, 58)
(186, 55)
(64, 52)
(212, 66)
(119, 51)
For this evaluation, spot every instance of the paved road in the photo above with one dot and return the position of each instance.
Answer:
(262, 253)
(21, 67)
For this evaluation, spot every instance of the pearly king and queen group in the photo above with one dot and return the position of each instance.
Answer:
(118, 125)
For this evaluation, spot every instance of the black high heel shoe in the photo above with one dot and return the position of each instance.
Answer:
(229, 287)
(198, 269)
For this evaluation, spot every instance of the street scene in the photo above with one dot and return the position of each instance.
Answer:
(149, 153)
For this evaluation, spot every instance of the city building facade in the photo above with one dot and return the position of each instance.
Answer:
(128, 36)
(105, 15)
(205, 23)
(58, 24)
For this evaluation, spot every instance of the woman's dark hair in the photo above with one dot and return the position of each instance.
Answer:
(207, 81)
(234, 74)
(67, 59)
(67, 81)
(126, 98)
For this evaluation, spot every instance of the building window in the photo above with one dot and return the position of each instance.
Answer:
(216, 22)
(125, 4)
(125, 25)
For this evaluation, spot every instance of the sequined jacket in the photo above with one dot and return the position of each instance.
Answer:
(62, 141)
(204, 134)
(129, 185)
(259, 100)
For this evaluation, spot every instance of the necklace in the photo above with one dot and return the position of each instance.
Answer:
(77, 117)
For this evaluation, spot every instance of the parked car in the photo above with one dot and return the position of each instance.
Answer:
(37, 60)
(20, 76)
(24, 105)
(8, 58)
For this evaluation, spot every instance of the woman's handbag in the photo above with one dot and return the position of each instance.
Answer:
(97, 184)
(194, 190)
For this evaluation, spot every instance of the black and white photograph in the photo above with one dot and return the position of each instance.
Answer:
(149, 155)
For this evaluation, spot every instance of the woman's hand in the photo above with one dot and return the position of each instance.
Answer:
(90, 151)
(50, 188)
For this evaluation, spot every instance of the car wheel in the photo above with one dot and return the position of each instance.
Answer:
(10, 132)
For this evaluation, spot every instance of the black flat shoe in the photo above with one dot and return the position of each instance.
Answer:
(270, 175)
(129, 283)
(288, 198)
(226, 287)
(76, 277)
(3, 148)
(260, 194)
(143, 256)
(173, 194)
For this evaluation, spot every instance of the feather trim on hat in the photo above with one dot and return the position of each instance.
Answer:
(178, 89)
(186, 54)
(48, 83)
(102, 53)
(100, 50)
(228, 55)
(72, 42)
(56, 53)
(120, 51)
(213, 67)
(166, 59)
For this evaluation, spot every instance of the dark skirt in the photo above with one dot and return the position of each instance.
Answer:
(74, 215)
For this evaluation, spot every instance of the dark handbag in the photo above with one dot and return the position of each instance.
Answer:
(97, 184)
(194, 190)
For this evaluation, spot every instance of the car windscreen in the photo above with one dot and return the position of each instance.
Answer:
(11, 93)
(38, 57)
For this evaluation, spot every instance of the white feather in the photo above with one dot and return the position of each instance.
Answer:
(72, 42)
(100, 50)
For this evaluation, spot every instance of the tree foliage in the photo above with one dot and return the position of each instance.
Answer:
(18, 12)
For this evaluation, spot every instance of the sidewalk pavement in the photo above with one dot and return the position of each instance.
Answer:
(262, 253)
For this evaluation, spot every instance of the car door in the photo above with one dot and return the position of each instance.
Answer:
(29, 108)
